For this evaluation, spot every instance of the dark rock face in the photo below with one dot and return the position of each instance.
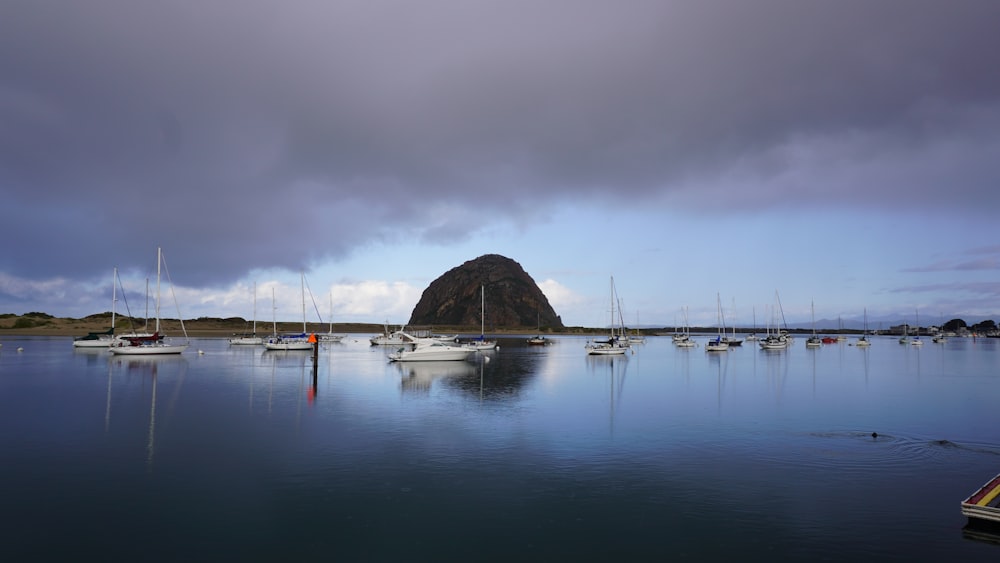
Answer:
(513, 300)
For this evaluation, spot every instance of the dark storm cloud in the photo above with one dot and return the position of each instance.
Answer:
(274, 134)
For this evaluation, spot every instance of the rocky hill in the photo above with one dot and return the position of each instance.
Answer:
(513, 300)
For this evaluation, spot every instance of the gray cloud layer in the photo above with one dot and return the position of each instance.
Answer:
(233, 129)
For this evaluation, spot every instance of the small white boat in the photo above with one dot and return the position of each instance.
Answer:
(481, 343)
(250, 339)
(774, 342)
(288, 342)
(719, 343)
(610, 347)
(683, 339)
(613, 346)
(716, 344)
(814, 341)
(863, 341)
(387, 338)
(95, 339)
(431, 350)
(537, 340)
(101, 339)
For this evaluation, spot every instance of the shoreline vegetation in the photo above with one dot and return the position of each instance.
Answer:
(43, 324)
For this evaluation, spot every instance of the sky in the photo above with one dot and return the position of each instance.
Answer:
(839, 157)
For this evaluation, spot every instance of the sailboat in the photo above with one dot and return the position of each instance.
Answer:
(683, 338)
(613, 345)
(154, 344)
(778, 339)
(916, 339)
(289, 341)
(863, 340)
(538, 339)
(718, 344)
(813, 341)
(330, 336)
(752, 337)
(731, 340)
(482, 343)
(101, 339)
(250, 339)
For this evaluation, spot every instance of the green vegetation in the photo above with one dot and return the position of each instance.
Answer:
(29, 322)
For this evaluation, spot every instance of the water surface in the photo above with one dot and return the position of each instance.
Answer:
(538, 453)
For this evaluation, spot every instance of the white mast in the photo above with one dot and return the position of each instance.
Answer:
(114, 299)
(158, 260)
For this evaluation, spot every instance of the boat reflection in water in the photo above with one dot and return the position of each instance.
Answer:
(420, 376)
(151, 366)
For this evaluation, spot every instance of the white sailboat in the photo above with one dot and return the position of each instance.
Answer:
(613, 346)
(775, 339)
(482, 343)
(249, 339)
(752, 337)
(683, 339)
(330, 336)
(105, 338)
(863, 340)
(154, 344)
(289, 342)
(916, 338)
(718, 344)
(813, 341)
(731, 340)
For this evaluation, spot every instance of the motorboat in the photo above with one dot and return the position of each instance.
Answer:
(431, 350)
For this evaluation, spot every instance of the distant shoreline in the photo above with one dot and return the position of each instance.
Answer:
(40, 324)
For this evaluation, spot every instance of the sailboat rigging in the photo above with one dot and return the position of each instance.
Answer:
(290, 341)
(154, 344)
(250, 339)
(613, 345)
(482, 343)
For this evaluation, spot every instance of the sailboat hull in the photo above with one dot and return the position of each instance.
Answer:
(606, 350)
(150, 350)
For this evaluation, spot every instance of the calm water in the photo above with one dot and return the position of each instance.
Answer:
(535, 454)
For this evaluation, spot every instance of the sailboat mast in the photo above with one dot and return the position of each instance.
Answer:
(482, 310)
(303, 289)
(255, 308)
(612, 307)
(114, 298)
(158, 260)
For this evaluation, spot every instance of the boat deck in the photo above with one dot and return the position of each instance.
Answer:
(984, 504)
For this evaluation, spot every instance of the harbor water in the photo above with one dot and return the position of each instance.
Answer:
(224, 452)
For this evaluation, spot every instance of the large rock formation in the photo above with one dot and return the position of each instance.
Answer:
(513, 300)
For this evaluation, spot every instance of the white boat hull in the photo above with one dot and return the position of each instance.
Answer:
(288, 345)
(99, 343)
(148, 350)
(432, 352)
